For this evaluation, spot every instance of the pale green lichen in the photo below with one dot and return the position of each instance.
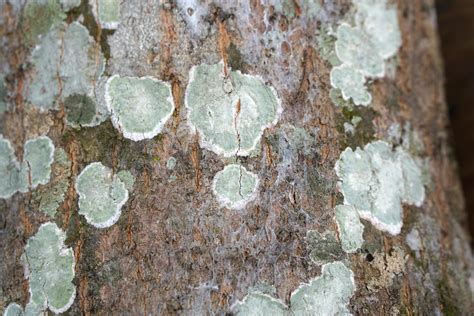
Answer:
(67, 5)
(49, 267)
(381, 24)
(171, 163)
(13, 309)
(43, 87)
(324, 247)
(35, 169)
(328, 294)
(377, 180)
(230, 112)
(234, 186)
(140, 107)
(68, 57)
(101, 195)
(106, 12)
(337, 99)
(260, 304)
(37, 159)
(350, 228)
(127, 178)
(326, 41)
(351, 83)
(9, 170)
(356, 50)
(363, 49)
(38, 17)
(31, 309)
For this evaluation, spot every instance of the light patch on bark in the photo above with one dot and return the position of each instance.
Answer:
(230, 112)
(106, 13)
(350, 228)
(101, 195)
(49, 267)
(139, 107)
(234, 186)
(377, 180)
(35, 169)
(363, 49)
(328, 294)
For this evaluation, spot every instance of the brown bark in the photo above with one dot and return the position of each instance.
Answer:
(174, 250)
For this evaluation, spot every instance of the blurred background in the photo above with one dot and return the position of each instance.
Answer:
(456, 29)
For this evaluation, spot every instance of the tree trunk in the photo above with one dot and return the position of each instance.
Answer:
(180, 245)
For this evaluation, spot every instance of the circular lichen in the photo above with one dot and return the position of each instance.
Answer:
(101, 195)
(139, 107)
(230, 112)
(234, 186)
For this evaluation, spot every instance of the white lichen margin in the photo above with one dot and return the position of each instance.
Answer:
(328, 294)
(50, 267)
(101, 195)
(106, 13)
(139, 106)
(229, 112)
(234, 186)
(13, 309)
(35, 169)
(377, 180)
(363, 49)
(256, 303)
(350, 228)
(38, 157)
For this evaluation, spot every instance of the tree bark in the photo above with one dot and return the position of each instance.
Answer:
(174, 249)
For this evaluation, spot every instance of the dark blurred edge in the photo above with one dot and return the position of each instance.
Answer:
(456, 31)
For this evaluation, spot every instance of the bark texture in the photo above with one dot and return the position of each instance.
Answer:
(174, 250)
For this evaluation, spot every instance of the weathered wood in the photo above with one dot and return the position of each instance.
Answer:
(174, 249)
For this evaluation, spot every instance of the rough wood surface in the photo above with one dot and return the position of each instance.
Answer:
(174, 250)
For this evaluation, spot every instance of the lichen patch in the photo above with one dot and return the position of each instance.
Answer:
(380, 23)
(377, 180)
(35, 169)
(234, 186)
(37, 159)
(328, 294)
(49, 267)
(351, 82)
(355, 49)
(13, 309)
(230, 112)
(257, 303)
(363, 49)
(67, 5)
(67, 66)
(106, 13)
(139, 107)
(350, 228)
(101, 195)
(38, 17)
